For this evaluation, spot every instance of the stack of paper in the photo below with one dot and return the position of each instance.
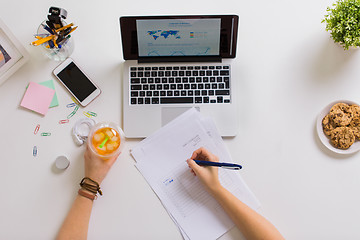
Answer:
(161, 159)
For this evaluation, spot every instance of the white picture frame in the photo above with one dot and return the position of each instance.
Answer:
(13, 55)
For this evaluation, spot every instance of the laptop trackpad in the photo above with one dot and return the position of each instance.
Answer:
(170, 113)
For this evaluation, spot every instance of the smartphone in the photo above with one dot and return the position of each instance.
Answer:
(77, 82)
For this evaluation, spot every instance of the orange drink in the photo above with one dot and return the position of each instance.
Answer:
(106, 140)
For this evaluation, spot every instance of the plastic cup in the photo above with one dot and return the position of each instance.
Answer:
(106, 140)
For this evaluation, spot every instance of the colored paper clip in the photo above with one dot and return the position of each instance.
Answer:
(92, 114)
(71, 114)
(87, 114)
(35, 151)
(70, 105)
(45, 134)
(74, 100)
(37, 129)
(63, 121)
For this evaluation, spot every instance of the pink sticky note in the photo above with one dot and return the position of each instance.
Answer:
(37, 98)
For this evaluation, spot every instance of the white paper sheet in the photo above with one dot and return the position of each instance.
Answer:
(161, 159)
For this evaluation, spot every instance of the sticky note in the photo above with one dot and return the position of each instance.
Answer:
(50, 84)
(37, 98)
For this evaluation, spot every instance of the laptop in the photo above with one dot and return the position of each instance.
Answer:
(174, 63)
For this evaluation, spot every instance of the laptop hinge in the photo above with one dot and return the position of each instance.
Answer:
(179, 59)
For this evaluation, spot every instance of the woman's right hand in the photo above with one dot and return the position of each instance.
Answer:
(208, 175)
(95, 167)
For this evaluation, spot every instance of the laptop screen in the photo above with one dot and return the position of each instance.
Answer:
(179, 37)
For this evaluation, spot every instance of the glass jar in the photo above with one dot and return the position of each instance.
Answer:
(60, 53)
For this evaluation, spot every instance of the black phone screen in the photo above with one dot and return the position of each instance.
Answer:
(76, 81)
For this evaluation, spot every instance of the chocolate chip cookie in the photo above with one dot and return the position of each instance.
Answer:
(341, 114)
(355, 127)
(328, 125)
(342, 137)
(355, 110)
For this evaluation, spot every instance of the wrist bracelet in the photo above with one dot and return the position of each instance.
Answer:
(92, 187)
(87, 195)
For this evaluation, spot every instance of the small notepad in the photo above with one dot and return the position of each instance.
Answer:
(50, 84)
(37, 98)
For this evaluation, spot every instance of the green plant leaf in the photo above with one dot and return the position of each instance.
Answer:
(343, 22)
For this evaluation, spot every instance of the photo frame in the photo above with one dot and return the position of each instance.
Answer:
(13, 55)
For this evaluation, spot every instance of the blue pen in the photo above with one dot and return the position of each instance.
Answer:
(47, 29)
(218, 164)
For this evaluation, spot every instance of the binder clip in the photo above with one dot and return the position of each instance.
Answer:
(55, 16)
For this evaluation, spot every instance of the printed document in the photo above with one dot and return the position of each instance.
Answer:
(161, 159)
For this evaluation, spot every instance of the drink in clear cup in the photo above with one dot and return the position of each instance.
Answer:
(106, 140)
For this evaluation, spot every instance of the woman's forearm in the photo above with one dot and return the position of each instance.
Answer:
(76, 223)
(250, 223)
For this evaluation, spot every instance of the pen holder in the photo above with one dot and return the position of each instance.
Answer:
(60, 53)
(106, 140)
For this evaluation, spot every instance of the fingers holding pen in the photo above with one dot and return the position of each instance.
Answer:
(204, 154)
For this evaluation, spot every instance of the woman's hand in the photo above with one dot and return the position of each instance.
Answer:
(208, 175)
(95, 167)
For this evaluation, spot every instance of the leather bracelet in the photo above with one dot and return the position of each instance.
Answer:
(90, 185)
(86, 195)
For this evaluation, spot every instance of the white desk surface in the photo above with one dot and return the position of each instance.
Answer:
(289, 70)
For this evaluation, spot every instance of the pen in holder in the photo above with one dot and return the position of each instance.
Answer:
(54, 45)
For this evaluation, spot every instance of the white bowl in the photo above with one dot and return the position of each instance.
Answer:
(325, 140)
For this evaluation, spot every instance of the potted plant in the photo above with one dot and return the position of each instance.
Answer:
(343, 21)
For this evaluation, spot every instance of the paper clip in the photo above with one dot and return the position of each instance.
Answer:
(92, 114)
(37, 129)
(74, 100)
(71, 114)
(63, 121)
(87, 114)
(70, 105)
(45, 134)
(35, 151)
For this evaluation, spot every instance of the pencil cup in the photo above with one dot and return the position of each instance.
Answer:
(57, 53)
(106, 140)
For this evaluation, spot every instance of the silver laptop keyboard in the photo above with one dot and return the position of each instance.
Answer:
(180, 85)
